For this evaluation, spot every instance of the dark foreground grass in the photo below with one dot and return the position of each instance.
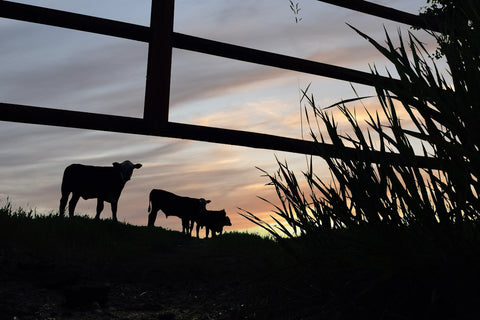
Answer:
(58, 268)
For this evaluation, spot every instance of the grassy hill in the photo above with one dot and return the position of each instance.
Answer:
(80, 268)
(55, 268)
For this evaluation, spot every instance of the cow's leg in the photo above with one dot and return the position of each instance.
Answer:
(114, 206)
(192, 223)
(207, 231)
(72, 204)
(198, 230)
(185, 225)
(152, 216)
(190, 227)
(63, 203)
(99, 208)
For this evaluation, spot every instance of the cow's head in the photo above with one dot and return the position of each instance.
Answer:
(203, 205)
(126, 168)
(203, 201)
(226, 221)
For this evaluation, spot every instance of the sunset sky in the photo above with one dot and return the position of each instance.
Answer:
(60, 68)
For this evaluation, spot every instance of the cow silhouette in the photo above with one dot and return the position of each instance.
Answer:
(212, 220)
(186, 208)
(102, 183)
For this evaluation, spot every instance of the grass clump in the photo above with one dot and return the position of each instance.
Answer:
(388, 239)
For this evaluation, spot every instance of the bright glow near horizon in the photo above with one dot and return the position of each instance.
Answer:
(60, 68)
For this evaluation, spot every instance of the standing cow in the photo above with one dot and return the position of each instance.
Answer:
(102, 183)
(187, 209)
(213, 220)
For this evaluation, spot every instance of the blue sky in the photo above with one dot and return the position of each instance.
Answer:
(60, 68)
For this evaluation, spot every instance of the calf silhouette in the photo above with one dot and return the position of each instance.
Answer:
(88, 182)
(187, 209)
(213, 220)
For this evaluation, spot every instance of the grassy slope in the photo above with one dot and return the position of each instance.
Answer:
(181, 277)
(159, 274)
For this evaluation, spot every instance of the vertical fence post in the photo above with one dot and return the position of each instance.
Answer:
(157, 91)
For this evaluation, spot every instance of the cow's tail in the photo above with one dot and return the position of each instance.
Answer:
(150, 202)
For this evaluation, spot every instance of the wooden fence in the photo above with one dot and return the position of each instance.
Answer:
(161, 39)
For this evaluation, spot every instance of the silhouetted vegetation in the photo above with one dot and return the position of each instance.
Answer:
(385, 240)
(80, 268)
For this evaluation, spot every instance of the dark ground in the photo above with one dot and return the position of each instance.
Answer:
(194, 279)
(53, 268)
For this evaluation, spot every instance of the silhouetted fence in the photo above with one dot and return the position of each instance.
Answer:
(161, 39)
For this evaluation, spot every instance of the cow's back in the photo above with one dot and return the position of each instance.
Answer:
(215, 220)
(92, 182)
(159, 195)
(174, 205)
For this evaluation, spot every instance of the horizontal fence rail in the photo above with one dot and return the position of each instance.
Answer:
(225, 50)
(387, 13)
(75, 21)
(161, 40)
(103, 122)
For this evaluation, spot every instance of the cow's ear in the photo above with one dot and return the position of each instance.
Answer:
(116, 164)
(207, 201)
(137, 166)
